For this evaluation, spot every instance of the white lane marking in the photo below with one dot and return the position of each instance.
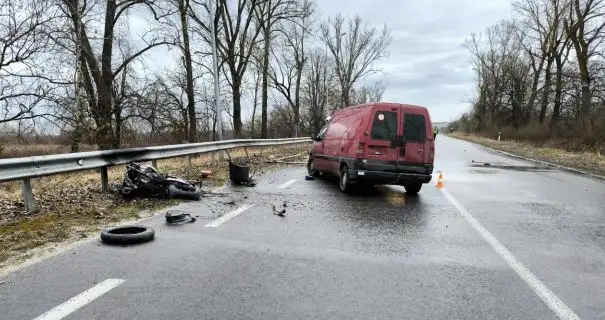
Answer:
(73, 304)
(555, 304)
(286, 184)
(226, 217)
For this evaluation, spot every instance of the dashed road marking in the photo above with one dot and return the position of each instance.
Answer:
(226, 217)
(286, 184)
(73, 304)
(553, 302)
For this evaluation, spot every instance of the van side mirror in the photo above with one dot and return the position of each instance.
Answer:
(317, 138)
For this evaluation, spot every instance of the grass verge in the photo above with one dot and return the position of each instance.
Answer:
(588, 161)
(71, 207)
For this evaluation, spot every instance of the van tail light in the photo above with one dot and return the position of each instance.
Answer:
(360, 148)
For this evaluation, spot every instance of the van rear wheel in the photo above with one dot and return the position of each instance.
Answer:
(412, 187)
(345, 179)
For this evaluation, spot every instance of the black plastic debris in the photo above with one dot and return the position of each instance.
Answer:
(178, 217)
(239, 173)
(281, 213)
(309, 178)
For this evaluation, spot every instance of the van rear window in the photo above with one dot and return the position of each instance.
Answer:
(414, 127)
(384, 126)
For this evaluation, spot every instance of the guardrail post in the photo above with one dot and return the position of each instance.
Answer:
(154, 163)
(104, 180)
(189, 166)
(28, 195)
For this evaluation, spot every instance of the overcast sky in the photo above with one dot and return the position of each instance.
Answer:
(427, 64)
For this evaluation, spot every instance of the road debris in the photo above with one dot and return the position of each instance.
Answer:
(146, 181)
(230, 201)
(204, 174)
(178, 217)
(281, 213)
(129, 234)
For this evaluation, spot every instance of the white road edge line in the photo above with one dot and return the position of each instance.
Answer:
(286, 184)
(73, 304)
(226, 217)
(553, 302)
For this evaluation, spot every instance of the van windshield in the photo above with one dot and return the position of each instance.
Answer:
(414, 128)
(384, 126)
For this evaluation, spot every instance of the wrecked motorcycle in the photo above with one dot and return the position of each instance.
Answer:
(146, 181)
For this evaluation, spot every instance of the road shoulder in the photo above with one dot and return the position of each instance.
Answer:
(587, 163)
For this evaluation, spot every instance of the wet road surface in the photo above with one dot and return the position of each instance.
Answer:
(379, 254)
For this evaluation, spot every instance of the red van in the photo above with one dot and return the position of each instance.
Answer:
(376, 143)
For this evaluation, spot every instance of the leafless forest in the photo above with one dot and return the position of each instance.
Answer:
(541, 76)
(77, 75)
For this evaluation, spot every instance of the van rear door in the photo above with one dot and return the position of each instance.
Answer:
(414, 152)
(382, 151)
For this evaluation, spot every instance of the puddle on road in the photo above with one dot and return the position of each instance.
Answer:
(491, 167)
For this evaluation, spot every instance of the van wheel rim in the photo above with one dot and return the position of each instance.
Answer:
(344, 179)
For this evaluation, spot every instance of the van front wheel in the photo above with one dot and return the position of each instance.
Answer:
(345, 179)
(311, 169)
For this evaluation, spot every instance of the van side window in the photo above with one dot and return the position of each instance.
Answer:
(384, 126)
(414, 127)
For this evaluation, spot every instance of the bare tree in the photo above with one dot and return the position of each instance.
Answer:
(535, 35)
(290, 57)
(355, 49)
(270, 13)
(183, 8)
(24, 26)
(369, 93)
(313, 96)
(99, 73)
(584, 27)
(236, 38)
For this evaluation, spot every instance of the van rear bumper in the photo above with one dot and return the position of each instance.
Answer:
(382, 177)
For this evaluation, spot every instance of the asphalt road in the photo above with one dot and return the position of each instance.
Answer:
(504, 241)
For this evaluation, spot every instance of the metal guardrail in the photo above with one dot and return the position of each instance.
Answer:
(26, 168)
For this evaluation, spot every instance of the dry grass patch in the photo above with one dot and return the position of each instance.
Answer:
(71, 206)
(588, 161)
(27, 149)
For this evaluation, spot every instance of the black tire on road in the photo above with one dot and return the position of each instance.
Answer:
(412, 187)
(179, 190)
(131, 234)
(311, 170)
(345, 180)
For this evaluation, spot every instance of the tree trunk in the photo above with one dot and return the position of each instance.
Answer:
(183, 4)
(105, 135)
(585, 81)
(252, 125)
(117, 139)
(265, 85)
(299, 71)
(346, 97)
(558, 92)
(237, 108)
(545, 91)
